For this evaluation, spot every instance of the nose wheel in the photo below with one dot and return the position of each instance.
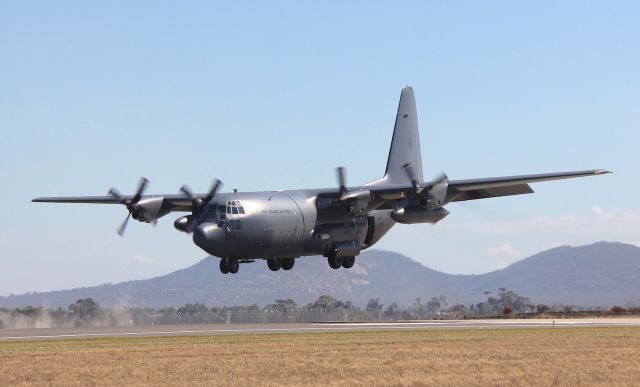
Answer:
(334, 262)
(229, 265)
(348, 262)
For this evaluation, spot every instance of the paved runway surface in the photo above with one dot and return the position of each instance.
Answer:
(221, 329)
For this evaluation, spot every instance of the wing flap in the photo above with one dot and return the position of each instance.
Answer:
(494, 192)
(460, 190)
(491, 182)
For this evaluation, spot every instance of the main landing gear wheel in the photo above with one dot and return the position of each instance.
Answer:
(347, 262)
(335, 262)
(234, 265)
(287, 263)
(228, 265)
(274, 264)
(224, 268)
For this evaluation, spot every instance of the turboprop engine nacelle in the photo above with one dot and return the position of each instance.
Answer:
(419, 214)
(357, 202)
(149, 210)
(181, 223)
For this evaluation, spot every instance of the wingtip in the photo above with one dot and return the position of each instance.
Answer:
(601, 172)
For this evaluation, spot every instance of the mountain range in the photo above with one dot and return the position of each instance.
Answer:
(601, 274)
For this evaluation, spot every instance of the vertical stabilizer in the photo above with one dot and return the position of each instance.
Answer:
(405, 144)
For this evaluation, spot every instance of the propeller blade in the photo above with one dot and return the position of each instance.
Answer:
(408, 169)
(187, 192)
(116, 194)
(441, 178)
(215, 186)
(123, 226)
(341, 179)
(142, 184)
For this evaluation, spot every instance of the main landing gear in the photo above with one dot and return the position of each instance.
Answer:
(276, 264)
(229, 265)
(338, 262)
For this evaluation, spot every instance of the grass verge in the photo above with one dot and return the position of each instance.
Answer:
(561, 356)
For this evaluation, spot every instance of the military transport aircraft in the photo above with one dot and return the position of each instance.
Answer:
(338, 223)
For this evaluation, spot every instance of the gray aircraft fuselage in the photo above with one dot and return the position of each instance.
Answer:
(283, 224)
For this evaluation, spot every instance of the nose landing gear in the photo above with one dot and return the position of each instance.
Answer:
(348, 262)
(334, 262)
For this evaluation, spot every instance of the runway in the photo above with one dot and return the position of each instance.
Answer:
(226, 329)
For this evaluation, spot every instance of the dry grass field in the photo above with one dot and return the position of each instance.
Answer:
(560, 356)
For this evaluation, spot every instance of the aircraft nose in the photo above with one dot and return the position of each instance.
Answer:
(206, 233)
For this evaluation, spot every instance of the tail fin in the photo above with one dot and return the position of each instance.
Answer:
(405, 144)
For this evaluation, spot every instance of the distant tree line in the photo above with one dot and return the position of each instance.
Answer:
(87, 312)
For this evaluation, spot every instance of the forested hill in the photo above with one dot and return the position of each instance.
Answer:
(602, 274)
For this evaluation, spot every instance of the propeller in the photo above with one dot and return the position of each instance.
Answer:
(129, 203)
(198, 203)
(340, 174)
(418, 189)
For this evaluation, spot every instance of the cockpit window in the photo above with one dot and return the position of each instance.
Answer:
(235, 207)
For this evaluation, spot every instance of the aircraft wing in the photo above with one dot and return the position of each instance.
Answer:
(177, 202)
(460, 190)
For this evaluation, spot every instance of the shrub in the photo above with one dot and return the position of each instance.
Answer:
(618, 310)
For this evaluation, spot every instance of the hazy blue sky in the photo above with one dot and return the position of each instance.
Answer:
(274, 95)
